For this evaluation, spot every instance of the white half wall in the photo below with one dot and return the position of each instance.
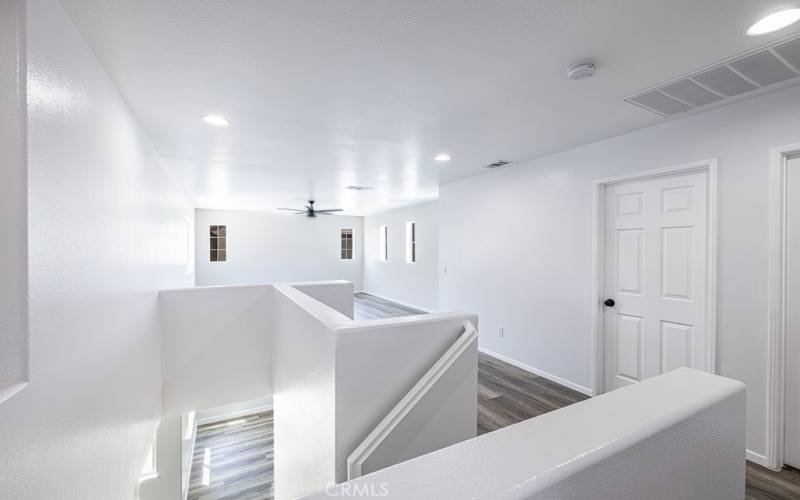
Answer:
(336, 379)
(305, 393)
(13, 200)
(384, 359)
(415, 284)
(517, 242)
(106, 232)
(276, 248)
(338, 295)
(216, 346)
(679, 435)
(218, 342)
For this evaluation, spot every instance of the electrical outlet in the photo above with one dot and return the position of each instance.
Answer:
(500, 332)
(444, 271)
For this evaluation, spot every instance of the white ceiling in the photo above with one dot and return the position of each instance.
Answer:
(322, 94)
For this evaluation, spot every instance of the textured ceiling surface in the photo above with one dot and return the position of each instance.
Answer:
(326, 94)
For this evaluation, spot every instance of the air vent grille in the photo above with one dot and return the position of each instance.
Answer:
(359, 188)
(724, 81)
(766, 66)
(790, 52)
(690, 92)
(498, 164)
(763, 69)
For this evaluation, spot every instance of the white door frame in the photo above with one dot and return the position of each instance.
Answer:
(776, 370)
(598, 260)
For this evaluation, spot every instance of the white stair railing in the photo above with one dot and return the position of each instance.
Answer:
(408, 402)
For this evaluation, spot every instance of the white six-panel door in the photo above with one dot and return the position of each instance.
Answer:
(655, 248)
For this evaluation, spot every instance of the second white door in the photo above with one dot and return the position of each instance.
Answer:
(656, 263)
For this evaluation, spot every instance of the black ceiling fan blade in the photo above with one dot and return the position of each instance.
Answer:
(292, 209)
(329, 210)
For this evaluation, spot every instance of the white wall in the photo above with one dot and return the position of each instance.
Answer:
(338, 295)
(618, 445)
(217, 341)
(517, 242)
(270, 248)
(384, 359)
(105, 233)
(235, 410)
(305, 398)
(416, 284)
(174, 454)
(216, 346)
(169, 460)
(325, 364)
(13, 200)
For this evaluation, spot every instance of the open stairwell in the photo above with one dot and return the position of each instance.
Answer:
(377, 392)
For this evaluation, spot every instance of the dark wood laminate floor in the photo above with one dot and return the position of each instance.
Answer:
(507, 394)
(766, 484)
(366, 306)
(233, 460)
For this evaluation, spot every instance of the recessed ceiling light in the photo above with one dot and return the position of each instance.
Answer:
(218, 120)
(774, 22)
(442, 157)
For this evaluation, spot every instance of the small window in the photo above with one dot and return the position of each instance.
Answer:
(384, 243)
(411, 242)
(347, 244)
(219, 246)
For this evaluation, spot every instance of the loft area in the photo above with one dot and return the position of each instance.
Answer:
(399, 250)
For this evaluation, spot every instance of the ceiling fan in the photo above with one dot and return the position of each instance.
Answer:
(312, 212)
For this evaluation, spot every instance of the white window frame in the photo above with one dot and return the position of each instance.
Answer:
(352, 243)
(224, 239)
(411, 242)
(384, 243)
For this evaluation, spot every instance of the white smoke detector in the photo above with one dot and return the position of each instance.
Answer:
(581, 71)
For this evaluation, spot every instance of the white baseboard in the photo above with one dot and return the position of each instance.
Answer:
(536, 371)
(757, 458)
(398, 302)
(235, 414)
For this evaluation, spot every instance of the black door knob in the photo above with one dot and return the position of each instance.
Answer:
(609, 303)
